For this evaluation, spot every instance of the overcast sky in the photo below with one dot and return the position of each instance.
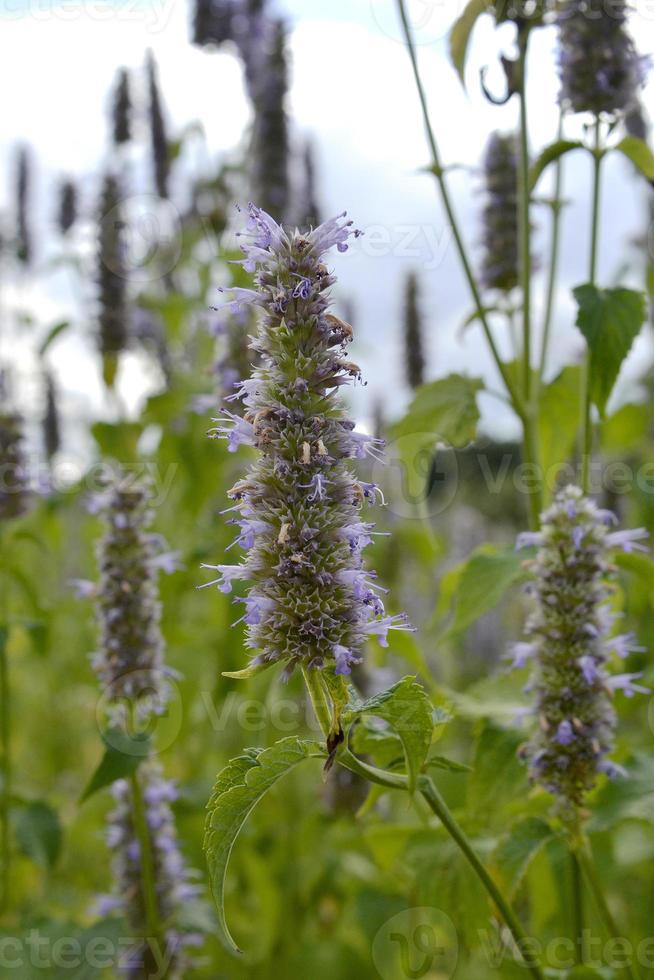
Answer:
(353, 93)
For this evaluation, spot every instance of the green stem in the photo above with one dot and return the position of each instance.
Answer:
(524, 217)
(587, 865)
(587, 423)
(148, 877)
(5, 749)
(576, 883)
(557, 206)
(530, 417)
(442, 811)
(516, 397)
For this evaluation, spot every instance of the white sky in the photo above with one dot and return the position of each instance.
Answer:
(353, 92)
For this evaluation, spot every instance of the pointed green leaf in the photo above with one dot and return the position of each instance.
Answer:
(558, 423)
(408, 710)
(551, 153)
(238, 789)
(462, 31)
(52, 335)
(610, 320)
(639, 153)
(518, 848)
(449, 765)
(250, 671)
(39, 834)
(482, 583)
(123, 755)
(443, 411)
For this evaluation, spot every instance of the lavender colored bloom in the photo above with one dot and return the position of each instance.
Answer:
(67, 209)
(310, 602)
(174, 882)
(121, 109)
(500, 215)
(599, 66)
(14, 477)
(158, 135)
(569, 639)
(413, 334)
(112, 272)
(129, 662)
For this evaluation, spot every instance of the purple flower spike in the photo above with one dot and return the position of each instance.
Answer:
(570, 647)
(311, 600)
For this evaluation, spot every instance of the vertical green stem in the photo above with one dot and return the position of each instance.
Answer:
(576, 884)
(440, 808)
(148, 877)
(588, 867)
(513, 390)
(587, 423)
(557, 206)
(530, 420)
(5, 749)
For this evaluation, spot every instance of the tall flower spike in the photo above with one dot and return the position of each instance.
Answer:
(67, 212)
(23, 230)
(500, 214)
(599, 66)
(270, 142)
(212, 21)
(158, 136)
(112, 272)
(174, 883)
(51, 427)
(121, 109)
(14, 484)
(413, 348)
(570, 643)
(129, 663)
(311, 602)
(309, 216)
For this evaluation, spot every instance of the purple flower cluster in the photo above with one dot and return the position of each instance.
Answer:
(297, 511)
(599, 66)
(129, 662)
(500, 214)
(14, 478)
(570, 641)
(174, 883)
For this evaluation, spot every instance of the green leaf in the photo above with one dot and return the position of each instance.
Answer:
(250, 671)
(628, 426)
(442, 411)
(482, 583)
(551, 153)
(462, 31)
(637, 564)
(610, 320)
(449, 765)
(558, 423)
(408, 710)
(237, 790)
(52, 335)
(639, 153)
(38, 833)
(123, 755)
(497, 771)
(518, 848)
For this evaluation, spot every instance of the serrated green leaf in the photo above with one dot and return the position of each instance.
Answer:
(551, 153)
(443, 411)
(461, 33)
(408, 710)
(639, 153)
(482, 583)
(558, 423)
(123, 755)
(518, 848)
(626, 427)
(497, 771)
(610, 320)
(39, 834)
(238, 789)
